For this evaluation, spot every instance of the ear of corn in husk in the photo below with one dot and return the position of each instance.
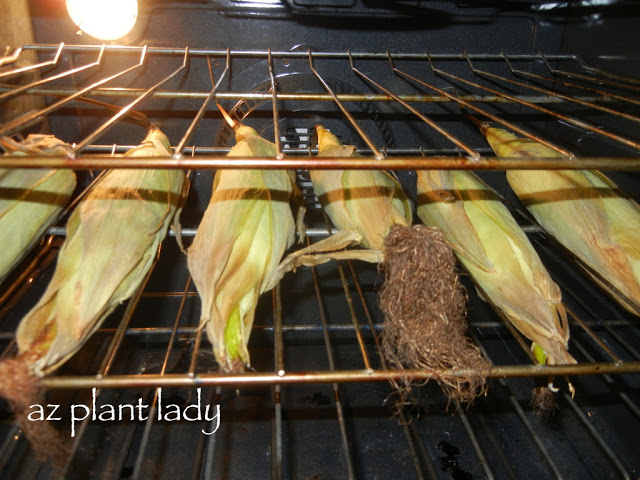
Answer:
(112, 239)
(584, 210)
(363, 205)
(30, 199)
(498, 256)
(245, 230)
(368, 202)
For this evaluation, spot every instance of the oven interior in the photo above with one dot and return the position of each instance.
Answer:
(390, 78)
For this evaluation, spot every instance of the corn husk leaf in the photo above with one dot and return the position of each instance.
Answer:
(368, 202)
(497, 254)
(584, 210)
(30, 199)
(112, 239)
(242, 237)
(324, 251)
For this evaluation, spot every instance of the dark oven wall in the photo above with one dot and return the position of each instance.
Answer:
(518, 26)
(357, 25)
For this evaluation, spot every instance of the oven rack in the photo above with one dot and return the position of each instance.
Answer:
(92, 156)
(594, 89)
(603, 86)
(603, 342)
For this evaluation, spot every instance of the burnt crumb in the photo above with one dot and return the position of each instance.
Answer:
(449, 462)
(424, 307)
(318, 399)
(22, 389)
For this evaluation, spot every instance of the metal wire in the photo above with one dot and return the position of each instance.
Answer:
(30, 118)
(137, 470)
(124, 110)
(572, 120)
(274, 105)
(609, 379)
(344, 110)
(422, 117)
(597, 437)
(18, 90)
(572, 85)
(188, 134)
(263, 54)
(605, 73)
(206, 162)
(495, 118)
(568, 98)
(419, 454)
(21, 284)
(522, 416)
(10, 58)
(127, 92)
(278, 340)
(28, 68)
(108, 359)
(346, 444)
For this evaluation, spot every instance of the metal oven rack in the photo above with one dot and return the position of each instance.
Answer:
(318, 404)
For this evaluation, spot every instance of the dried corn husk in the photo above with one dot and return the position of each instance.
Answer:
(245, 230)
(363, 205)
(112, 238)
(368, 202)
(584, 210)
(30, 200)
(498, 255)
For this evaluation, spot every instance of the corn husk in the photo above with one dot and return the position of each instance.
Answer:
(30, 199)
(363, 205)
(368, 202)
(498, 255)
(112, 239)
(241, 239)
(584, 210)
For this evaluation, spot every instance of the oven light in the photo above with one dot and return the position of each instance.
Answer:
(104, 19)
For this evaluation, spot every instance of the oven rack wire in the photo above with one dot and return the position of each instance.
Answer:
(614, 95)
(598, 99)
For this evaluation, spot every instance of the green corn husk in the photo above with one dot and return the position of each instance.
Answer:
(368, 202)
(244, 233)
(112, 239)
(30, 200)
(584, 210)
(498, 256)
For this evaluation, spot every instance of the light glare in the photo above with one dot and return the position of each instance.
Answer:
(107, 20)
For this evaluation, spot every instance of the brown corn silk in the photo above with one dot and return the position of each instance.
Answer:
(425, 316)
